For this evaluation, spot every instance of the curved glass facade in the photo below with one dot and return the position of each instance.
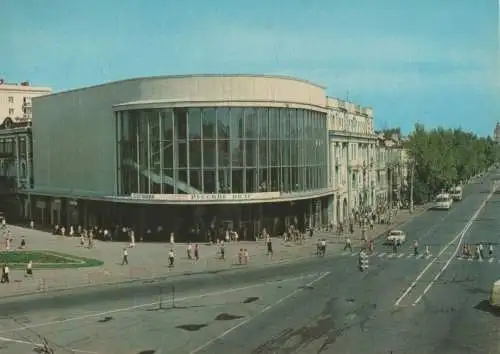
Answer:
(221, 150)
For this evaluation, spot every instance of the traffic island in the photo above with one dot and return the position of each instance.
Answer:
(46, 260)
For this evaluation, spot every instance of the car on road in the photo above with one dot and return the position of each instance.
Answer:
(394, 235)
(443, 202)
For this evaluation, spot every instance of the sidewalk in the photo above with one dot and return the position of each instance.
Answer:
(149, 260)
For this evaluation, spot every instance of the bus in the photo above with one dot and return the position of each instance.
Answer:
(456, 193)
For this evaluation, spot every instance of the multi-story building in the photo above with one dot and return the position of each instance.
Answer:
(16, 157)
(353, 158)
(15, 102)
(212, 152)
(194, 154)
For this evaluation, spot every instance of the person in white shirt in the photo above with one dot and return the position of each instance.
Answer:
(171, 258)
(29, 269)
(125, 256)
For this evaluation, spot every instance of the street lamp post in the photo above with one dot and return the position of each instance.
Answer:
(412, 173)
(390, 191)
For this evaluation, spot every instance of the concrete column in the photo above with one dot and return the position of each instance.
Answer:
(331, 210)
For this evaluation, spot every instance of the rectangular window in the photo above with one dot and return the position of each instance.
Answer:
(209, 123)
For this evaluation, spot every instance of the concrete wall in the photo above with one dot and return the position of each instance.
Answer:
(74, 132)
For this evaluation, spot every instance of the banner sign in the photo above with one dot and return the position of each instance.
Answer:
(206, 197)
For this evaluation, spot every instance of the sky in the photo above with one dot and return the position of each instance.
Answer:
(434, 62)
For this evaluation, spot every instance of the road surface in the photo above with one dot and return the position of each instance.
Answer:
(403, 304)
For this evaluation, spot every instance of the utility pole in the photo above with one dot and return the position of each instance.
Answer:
(390, 192)
(412, 172)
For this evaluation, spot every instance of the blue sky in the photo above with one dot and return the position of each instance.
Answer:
(435, 62)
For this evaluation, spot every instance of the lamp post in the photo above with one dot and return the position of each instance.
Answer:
(389, 165)
(412, 173)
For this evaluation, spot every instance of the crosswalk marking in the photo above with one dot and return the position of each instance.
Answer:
(422, 257)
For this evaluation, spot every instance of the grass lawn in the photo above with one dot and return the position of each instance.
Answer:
(46, 259)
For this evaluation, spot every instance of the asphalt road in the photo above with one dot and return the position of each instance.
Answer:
(403, 304)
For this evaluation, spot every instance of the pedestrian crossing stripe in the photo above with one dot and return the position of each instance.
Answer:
(471, 259)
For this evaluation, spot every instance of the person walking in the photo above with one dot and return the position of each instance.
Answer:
(125, 256)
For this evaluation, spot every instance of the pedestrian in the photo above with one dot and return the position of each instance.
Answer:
(348, 244)
(5, 274)
(29, 269)
(171, 258)
(189, 250)
(323, 247)
(269, 247)
(490, 250)
(125, 256)
(197, 252)
(415, 248)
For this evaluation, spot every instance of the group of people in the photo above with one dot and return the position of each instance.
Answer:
(476, 251)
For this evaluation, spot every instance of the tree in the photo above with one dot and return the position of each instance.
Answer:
(444, 157)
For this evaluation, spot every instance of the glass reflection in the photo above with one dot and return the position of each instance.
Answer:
(222, 150)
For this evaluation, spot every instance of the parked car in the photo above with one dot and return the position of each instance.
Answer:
(395, 235)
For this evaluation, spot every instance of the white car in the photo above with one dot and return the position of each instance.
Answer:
(394, 235)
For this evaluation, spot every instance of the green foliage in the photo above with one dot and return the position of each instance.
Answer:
(45, 259)
(445, 157)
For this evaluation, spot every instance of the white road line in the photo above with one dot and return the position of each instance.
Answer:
(420, 256)
(345, 253)
(409, 255)
(392, 255)
(401, 255)
(490, 260)
(459, 236)
(40, 345)
(470, 259)
(381, 255)
(429, 256)
(139, 306)
(460, 259)
(374, 254)
(244, 322)
(354, 254)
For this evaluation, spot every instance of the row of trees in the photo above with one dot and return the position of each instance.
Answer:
(444, 157)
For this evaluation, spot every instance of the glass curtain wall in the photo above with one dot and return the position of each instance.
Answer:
(221, 150)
